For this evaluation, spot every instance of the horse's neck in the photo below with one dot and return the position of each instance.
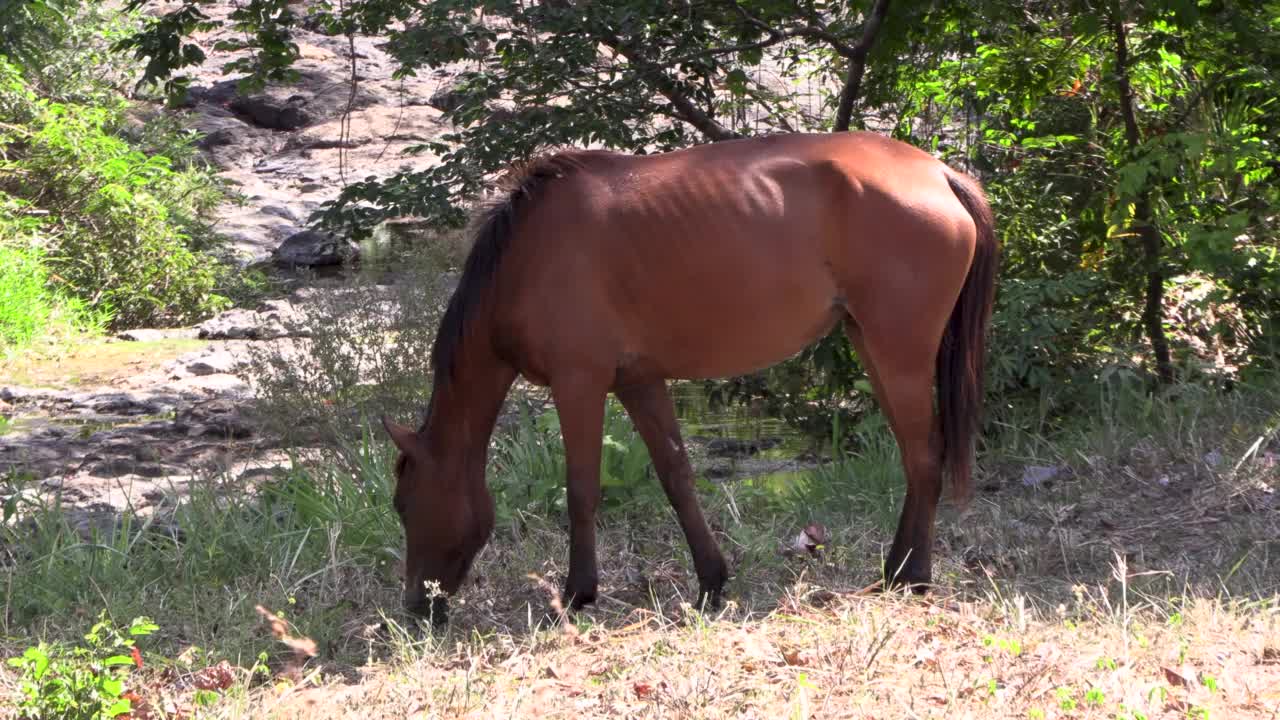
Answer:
(464, 409)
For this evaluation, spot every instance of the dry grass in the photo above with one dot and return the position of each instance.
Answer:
(1042, 613)
(835, 656)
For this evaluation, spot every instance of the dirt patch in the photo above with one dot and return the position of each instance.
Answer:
(96, 363)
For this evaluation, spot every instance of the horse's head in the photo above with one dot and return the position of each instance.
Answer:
(446, 520)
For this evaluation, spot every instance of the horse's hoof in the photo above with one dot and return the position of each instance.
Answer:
(917, 585)
(577, 600)
(710, 600)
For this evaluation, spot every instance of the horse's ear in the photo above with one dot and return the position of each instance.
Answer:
(404, 438)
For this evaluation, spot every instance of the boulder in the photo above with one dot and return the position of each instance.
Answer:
(267, 112)
(216, 362)
(447, 98)
(216, 418)
(241, 324)
(312, 248)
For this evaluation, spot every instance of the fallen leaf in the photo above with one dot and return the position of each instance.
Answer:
(137, 656)
(303, 646)
(214, 677)
(642, 690)
(1183, 676)
(926, 657)
(793, 656)
(810, 540)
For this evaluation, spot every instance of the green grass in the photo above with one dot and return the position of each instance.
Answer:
(31, 311)
(1107, 560)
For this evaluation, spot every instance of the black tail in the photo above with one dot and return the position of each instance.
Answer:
(963, 354)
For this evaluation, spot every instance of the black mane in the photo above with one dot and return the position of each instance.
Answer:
(494, 226)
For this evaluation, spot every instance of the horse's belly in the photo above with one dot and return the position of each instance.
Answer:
(744, 331)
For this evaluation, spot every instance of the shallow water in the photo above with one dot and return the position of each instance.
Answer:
(699, 420)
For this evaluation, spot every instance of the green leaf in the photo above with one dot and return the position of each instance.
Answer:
(112, 686)
(1171, 60)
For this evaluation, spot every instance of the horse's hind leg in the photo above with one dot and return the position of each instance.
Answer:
(902, 375)
(654, 415)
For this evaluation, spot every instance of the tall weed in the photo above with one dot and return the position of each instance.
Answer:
(366, 352)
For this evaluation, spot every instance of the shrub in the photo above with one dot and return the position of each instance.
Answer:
(527, 472)
(31, 309)
(119, 220)
(83, 682)
(123, 202)
(366, 351)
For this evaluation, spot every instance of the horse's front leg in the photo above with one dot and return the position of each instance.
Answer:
(654, 415)
(581, 407)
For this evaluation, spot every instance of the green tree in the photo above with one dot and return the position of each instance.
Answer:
(1129, 147)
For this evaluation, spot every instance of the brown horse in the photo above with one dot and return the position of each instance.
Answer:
(600, 272)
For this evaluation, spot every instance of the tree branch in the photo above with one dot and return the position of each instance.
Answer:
(858, 65)
(684, 108)
(1143, 215)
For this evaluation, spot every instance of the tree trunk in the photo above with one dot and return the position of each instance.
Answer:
(858, 65)
(1143, 216)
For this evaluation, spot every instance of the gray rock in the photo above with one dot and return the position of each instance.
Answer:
(216, 362)
(216, 418)
(219, 93)
(118, 466)
(280, 212)
(312, 248)
(115, 404)
(734, 447)
(267, 112)
(218, 138)
(241, 324)
(447, 98)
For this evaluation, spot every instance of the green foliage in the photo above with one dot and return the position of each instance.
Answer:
(236, 547)
(821, 388)
(1025, 95)
(351, 492)
(114, 204)
(546, 63)
(118, 220)
(31, 309)
(29, 27)
(84, 682)
(528, 467)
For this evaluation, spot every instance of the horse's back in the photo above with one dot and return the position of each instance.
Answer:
(726, 258)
